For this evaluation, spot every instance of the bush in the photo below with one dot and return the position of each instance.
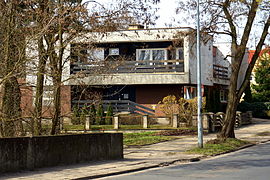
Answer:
(184, 107)
(100, 115)
(130, 119)
(75, 119)
(259, 109)
(92, 114)
(109, 115)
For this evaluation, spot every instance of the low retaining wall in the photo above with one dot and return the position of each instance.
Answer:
(27, 153)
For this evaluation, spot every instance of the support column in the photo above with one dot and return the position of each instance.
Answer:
(145, 122)
(175, 121)
(116, 122)
(87, 123)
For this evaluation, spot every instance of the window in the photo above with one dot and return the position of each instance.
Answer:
(180, 53)
(96, 54)
(190, 92)
(151, 54)
(114, 51)
(223, 96)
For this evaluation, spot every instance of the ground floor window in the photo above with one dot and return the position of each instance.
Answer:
(190, 92)
(223, 95)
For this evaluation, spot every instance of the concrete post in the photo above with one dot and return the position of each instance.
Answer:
(116, 122)
(210, 121)
(145, 121)
(175, 121)
(87, 123)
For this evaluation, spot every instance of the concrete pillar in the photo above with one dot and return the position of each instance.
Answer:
(209, 118)
(175, 121)
(87, 123)
(145, 122)
(116, 122)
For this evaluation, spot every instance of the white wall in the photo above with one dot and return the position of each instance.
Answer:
(206, 62)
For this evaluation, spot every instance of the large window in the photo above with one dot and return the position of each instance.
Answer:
(151, 54)
(96, 54)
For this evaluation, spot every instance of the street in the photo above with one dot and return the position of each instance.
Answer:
(251, 163)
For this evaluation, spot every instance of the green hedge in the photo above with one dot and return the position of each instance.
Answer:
(259, 109)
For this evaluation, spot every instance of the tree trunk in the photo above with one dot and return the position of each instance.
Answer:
(12, 124)
(57, 107)
(37, 127)
(12, 46)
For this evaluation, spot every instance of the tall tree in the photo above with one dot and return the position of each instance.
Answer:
(58, 23)
(262, 77)
(12, 60)
(235, 19)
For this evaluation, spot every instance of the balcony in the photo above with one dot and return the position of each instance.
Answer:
(118, 67)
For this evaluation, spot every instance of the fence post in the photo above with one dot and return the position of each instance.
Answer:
(116, 122)
(87, 122)
(175, 121)
(145, 121)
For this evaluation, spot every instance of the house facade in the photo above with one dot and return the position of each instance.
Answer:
(134, 69)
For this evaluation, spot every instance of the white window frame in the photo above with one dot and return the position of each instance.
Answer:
(151, 54)
(96, 50)
(114, 51)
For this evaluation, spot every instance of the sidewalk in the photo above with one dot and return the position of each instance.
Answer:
(140, 158)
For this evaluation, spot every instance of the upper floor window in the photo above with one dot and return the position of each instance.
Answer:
(113, 51)
(180, 53)
(151, 54)
(95, 54)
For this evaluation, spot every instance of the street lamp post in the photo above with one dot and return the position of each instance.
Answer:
(199, 91)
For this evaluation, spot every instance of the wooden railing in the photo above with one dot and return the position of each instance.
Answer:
(220, 72)
(128, 66)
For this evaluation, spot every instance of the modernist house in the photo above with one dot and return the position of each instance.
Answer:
(134, 69)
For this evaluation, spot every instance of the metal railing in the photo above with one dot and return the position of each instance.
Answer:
(152, 66)
(118, 106)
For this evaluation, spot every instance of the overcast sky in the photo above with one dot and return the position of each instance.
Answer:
(166, 13)
(169, 18)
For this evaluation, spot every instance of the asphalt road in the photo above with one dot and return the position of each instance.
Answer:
(252, 163)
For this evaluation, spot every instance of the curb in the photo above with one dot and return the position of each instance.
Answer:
(163, 164)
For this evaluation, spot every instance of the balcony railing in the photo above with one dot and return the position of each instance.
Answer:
(221, 72)
(153, 66)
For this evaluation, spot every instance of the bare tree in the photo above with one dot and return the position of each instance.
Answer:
(12, 60)
(58, 23)
(235, 19)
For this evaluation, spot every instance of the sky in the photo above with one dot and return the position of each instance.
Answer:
(169, 18)
(166, 13)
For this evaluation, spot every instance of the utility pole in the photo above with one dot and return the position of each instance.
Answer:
(199, 86)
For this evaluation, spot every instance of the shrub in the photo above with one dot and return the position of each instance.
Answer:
(259, 109)
(109, 115)
(130, 119)
(92, 114)
(75, 119)
(169, 105)
(100, 115)
(184, 107)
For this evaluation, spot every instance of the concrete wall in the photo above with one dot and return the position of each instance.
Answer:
(28, 153)
(206, 61)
